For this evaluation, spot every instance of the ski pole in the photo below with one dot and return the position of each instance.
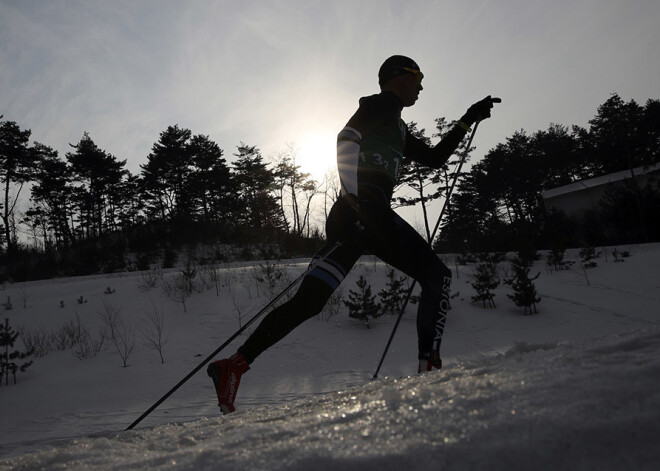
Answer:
(435, 229)
(334, 247)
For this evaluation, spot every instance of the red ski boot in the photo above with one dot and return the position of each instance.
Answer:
(226, 375)
(428, 364)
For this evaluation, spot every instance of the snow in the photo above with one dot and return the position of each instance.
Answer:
(576, 386)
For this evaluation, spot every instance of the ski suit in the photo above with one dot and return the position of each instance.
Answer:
(370, 149)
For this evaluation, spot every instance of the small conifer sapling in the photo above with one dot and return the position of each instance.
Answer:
(8, 358)
(361, 303)
(524, 291)
(394, 294)
(485, 281)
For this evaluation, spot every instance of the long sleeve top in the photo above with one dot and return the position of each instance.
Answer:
(373, 144)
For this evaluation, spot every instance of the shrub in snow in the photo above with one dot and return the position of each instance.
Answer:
(70, 335)
(270, 274)
(182, 286)
(211, 274)
(485, 281)
(89, 346)
(361, 303)
(555, 260)
(67, 335)
(186, 281)
(9, 359)
(150, 278)
(619, 256)
(36, 340)
(524, 291)
(394, 293)
(587, 256)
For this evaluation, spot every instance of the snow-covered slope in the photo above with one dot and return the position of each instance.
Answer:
(593, 405)
(576, 386)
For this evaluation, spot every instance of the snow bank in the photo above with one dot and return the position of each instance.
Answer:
(582, 405)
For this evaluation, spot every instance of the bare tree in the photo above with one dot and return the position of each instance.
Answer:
(212, 274)
(295, 191)
(150, 278)
(153, 330)
(25, 296)
(240, 304)
(121, 332)
(331, 190)
(182, 287)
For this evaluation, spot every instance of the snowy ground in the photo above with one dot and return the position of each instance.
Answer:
(576, 386)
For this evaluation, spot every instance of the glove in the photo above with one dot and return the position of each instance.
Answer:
(480, 110)
(373, 219)
(353, 202)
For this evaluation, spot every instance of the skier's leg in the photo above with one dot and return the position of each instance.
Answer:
(315, 290)
(431, 319)
(326, 273)
(410, 253)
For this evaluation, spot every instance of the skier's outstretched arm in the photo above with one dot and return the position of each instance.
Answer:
(436, 156)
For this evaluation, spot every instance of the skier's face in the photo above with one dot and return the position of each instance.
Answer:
(410, 84)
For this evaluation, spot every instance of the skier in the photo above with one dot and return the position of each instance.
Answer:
(370, 149)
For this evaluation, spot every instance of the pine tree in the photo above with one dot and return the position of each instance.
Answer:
(362, 304)
(485, 280)
(8, 359)
(167, 175)
(525, 294)
(255, 182)
(394, 294)
(17, 164)
(96, 176)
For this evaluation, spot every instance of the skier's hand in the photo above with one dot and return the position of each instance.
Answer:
(480, 110)
(353, 202)
(373, 219)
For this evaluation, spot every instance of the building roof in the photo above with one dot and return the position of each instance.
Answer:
(598, 181)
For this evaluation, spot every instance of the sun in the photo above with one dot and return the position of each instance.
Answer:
(316, 152)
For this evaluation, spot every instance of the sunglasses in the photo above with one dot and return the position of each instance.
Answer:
(415, 72)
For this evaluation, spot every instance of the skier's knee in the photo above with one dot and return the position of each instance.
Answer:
(311, 298)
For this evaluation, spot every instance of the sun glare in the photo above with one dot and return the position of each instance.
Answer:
(317, 153)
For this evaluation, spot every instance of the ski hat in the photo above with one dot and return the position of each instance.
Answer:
(396, 65)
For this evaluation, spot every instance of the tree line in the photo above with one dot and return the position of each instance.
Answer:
(498, 207)
(186, 188)
(185, 182)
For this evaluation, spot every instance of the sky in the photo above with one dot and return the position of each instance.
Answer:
(274, 73)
